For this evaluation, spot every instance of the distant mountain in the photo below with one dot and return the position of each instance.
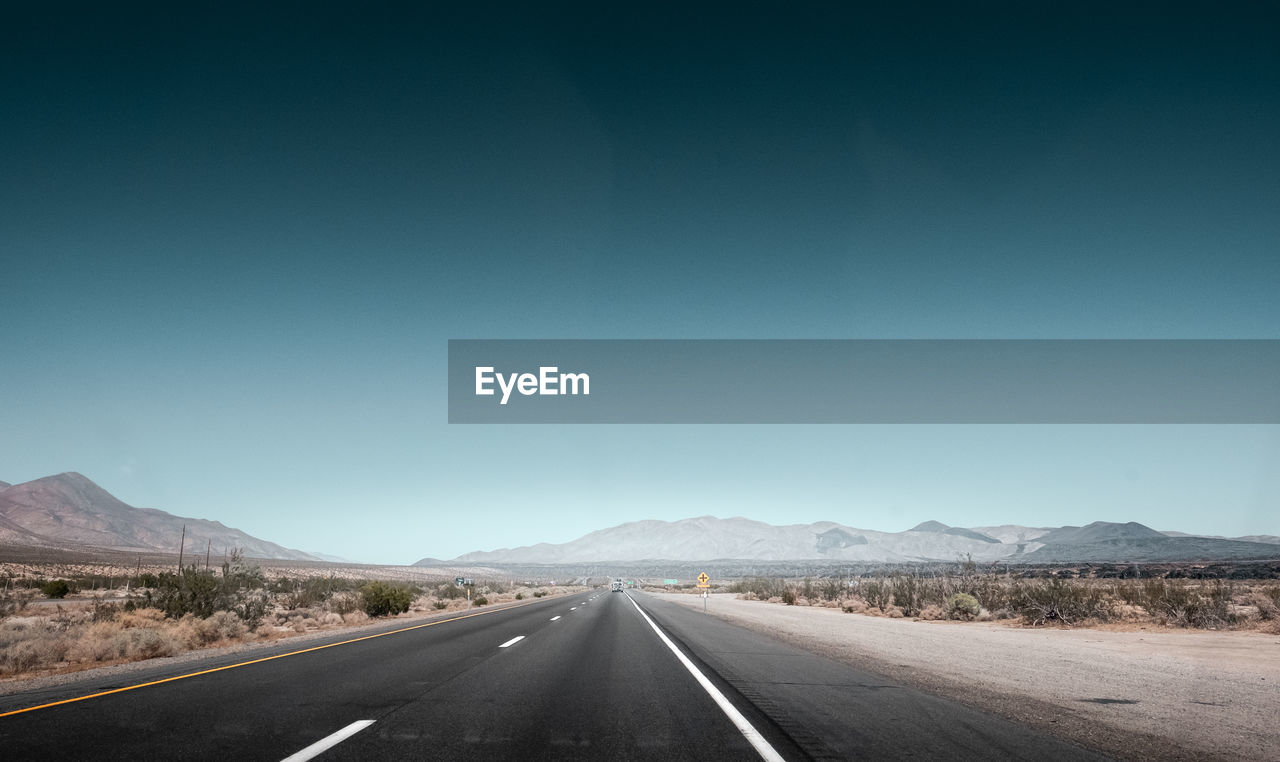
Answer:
(70, 510)
(1269, 539)
(1013, 533)
(708, 538)
(13, 534)
(332, 559)
(938, 526)
(1099, 531)
(1153, 550)
(4, 485)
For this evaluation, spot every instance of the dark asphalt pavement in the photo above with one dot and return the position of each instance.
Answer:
(588, 678)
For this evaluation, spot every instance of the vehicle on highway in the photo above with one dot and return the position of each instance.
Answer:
(616, 587)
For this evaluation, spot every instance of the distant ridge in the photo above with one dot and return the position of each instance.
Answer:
(707, 538)
(1154, 550)
(938, 526)
(1100, 531)
(69, 509)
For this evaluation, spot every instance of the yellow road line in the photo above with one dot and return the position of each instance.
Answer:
(252, 661)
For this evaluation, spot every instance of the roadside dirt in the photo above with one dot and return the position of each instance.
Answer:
(1148, 694)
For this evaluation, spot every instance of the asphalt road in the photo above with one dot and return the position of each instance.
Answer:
(581, 677)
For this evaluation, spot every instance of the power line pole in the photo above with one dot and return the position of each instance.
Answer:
(181, 545)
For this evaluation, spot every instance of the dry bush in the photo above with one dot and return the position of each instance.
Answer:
(1265, 603)
(854, 606)
(1057, 600)
(763, 588)
(106, 641)
(963, 606)
(1043, 600)
(1188, 604)
(148, 643)
(30, 642)
(1126, 612)
(19, 657)
(876, 593)
(141, 618)
(932, 612)
(908, 593)
(40, 648)
(345, 603)
(97, 643)
(198, 633)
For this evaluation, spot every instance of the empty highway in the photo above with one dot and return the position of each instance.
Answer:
(592, 676)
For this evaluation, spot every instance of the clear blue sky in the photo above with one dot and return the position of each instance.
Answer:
(234, 243)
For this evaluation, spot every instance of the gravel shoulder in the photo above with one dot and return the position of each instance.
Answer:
(1146, 694)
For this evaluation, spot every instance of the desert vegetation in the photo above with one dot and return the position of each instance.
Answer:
(65, 618)
(1175, 601)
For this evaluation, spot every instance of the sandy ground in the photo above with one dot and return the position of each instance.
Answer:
(1147, 694)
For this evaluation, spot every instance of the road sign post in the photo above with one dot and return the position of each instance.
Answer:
(704, 581)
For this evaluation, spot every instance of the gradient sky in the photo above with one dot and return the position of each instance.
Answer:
(234, 243)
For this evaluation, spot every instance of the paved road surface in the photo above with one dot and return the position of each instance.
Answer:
(582, 677)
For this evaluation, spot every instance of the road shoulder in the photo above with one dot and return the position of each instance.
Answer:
(1140, 695)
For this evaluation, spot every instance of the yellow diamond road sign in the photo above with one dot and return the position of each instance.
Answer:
(704, 580)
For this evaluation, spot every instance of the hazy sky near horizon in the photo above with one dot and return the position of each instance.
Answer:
(234, 243)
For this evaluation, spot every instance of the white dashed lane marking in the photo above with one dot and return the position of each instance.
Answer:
(328, 742)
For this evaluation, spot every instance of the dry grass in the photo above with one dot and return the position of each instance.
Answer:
(1201, 604)
(76, 634)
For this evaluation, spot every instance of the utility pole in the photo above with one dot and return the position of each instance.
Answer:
(182, 544)
(207, 544)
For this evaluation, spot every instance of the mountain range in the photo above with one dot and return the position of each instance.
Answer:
(709, 538)
(69, 510)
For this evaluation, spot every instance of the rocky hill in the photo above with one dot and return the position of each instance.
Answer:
(69, 511)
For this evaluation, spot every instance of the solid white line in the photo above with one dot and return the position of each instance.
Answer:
(554, 618)
(328, 742)
(512, 642)
(757, 741)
